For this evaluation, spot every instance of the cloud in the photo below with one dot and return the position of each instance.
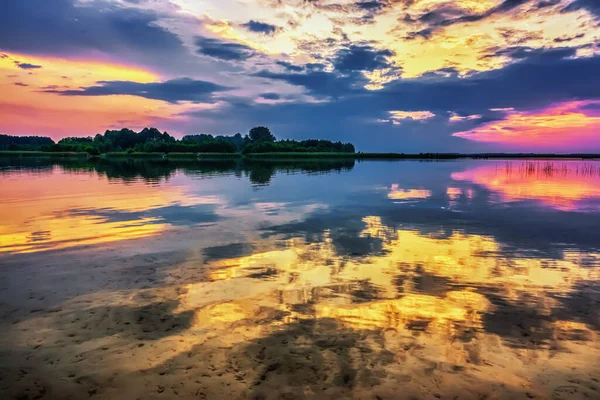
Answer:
(372, 5)
(548, 3)
(320, 83)
(172, 91)
(361, 57)
(537, 79)
(223, 50)
(69, 27)
(270, 96)
(444, 16)
(289, 66)
(27, 65)
(534, 82)
(260, 27)
(591, 109)
(558, 127)
(568, 38)
(593, 6)
(541, 55)
(455, 118)
(397, 117)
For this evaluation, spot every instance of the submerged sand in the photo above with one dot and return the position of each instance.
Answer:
(108, 324)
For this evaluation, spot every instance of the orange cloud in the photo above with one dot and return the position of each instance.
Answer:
(26, 109)
(396, 117)
(559, 127)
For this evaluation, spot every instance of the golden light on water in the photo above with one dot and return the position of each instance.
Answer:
(59, 233)
(473, 262)
(397, 193)
(93, 211)
(439, 314)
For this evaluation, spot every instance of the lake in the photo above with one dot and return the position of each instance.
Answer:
(467, 279)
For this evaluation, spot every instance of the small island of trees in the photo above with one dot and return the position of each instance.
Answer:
(150, 140)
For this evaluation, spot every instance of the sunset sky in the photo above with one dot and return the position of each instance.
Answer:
(386, 75)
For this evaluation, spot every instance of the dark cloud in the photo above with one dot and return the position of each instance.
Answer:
(20, 84)
(223, 50)
(568, 38)
(523, 52)
(174, 214)
(445, 16)
(537, 79)
(370, 5)
(547, 3)
(173, 91)
(593, 107)
(289, 66)
(300, 68)
(593, 6)
(270, 96)
(361, 57)
(516, 37)
(27, 65)
(320, 83)
(424, 33)
(348, 62)
(440, 14)
(61, 27)
(260, 27)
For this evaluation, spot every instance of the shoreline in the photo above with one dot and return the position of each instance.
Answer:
(174, 156)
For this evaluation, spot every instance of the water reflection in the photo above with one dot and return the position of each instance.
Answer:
(396, 193)
(439, 278)
(67, 203)
(562, 185)
(64, 209)
(409, 275)
(433, 302)
(154, 171)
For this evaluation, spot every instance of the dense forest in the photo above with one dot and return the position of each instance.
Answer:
(24, 142)
(258, 140)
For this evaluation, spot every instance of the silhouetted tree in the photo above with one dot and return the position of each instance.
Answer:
(259, 140)
(261, 134)
(8, 142)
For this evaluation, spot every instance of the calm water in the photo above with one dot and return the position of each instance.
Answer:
(371, 280)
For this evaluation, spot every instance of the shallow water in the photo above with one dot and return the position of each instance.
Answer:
(306, 279)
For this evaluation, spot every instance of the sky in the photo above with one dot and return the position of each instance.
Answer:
(386, 75)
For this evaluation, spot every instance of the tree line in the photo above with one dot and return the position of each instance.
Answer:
(258, 140)
(24, 142)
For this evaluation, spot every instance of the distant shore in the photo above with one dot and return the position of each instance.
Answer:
(291, 155)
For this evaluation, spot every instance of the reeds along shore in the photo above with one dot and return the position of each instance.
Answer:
(548, 168)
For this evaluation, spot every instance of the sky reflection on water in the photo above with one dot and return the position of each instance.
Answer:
(463, 278)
